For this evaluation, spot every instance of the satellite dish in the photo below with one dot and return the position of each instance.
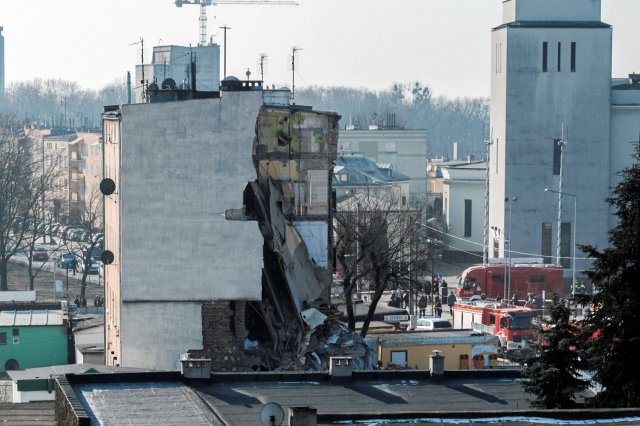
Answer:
(271, 414)
(169, 84)
(107, 257)
(107, 186)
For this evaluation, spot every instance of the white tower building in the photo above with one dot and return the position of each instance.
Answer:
(551, 70)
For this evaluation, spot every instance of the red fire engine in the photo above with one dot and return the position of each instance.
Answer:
(511, 324)
(525, 278)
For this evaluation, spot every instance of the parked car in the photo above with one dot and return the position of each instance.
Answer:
(39, 254)
(433, 324)
(67, 261)
(93, 268)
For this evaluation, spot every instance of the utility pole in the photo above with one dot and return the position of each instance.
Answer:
(561, 144)
(225, 28)
(293, 71)
(485, 252)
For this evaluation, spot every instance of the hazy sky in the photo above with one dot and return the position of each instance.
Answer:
(355, 43)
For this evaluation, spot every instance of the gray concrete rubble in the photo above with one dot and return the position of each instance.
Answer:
(295, 326)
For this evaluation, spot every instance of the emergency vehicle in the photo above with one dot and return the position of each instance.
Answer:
(513, 325)
(526, 276)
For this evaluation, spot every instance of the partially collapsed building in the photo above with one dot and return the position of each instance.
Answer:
(218, 226)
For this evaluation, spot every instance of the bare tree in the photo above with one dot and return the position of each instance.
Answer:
(88, 216)
(20, 183)
(46, 171)
(377, 246)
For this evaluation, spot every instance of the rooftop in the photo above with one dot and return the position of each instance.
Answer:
(30, 318)
(367, 397)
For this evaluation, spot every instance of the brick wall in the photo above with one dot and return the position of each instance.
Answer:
(69, 410)
(223, 335)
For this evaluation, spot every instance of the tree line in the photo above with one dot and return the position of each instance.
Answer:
(409, 106)
(58, 103)
(62, 103)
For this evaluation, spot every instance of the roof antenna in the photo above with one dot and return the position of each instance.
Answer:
(293, 72)
(141, 42)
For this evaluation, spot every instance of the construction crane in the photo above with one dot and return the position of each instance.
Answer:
(203, 10)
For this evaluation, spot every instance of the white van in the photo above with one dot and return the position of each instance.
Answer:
(433, 324)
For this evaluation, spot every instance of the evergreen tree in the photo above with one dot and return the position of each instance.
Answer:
(552, 376)
(612, 328)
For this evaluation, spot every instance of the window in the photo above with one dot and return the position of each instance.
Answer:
(492, 319)
(545, 49)
(344, 177)
(559, 54)
(467, 218)
(557, 154)
(573, 56)
(399, 358)
(16, 332)
(3, 338)
(537, 278)
(546, 242)
(497, 279)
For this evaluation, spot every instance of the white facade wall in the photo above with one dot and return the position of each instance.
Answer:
(177, 166)
(529, 107)
(460, 185)
(625, 133)
(551, 10)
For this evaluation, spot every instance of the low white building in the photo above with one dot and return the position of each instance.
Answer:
(463, 194)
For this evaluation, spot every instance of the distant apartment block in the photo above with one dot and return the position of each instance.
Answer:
(405, 150)
(353, 173)
(79, 157)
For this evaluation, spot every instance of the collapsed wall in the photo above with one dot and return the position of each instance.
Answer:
(295, 327)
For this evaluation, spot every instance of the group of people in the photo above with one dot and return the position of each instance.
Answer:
(399, 300)
(82, 302)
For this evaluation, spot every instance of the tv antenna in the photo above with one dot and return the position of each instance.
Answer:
(142, 81)
(263, 58)
(202, 20)
(293, 71)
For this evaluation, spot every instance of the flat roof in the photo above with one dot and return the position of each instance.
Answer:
(367, 397)
(30, 318)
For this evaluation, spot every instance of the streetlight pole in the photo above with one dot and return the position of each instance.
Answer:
(507, 275)
(575, 221)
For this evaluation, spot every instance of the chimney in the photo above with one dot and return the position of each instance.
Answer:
(303, 416)
(436, 365)
(340, 367)
(455, 151)
(195, 368)
(635, 78)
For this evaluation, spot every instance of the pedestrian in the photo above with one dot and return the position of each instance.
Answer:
(76, 301)
(438, 307)
(405, 300)
(84, 302)
(514, 299)
(451, 300)
(422, 304)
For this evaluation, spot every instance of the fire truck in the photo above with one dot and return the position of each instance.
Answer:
(527, 276)
(513, 325)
